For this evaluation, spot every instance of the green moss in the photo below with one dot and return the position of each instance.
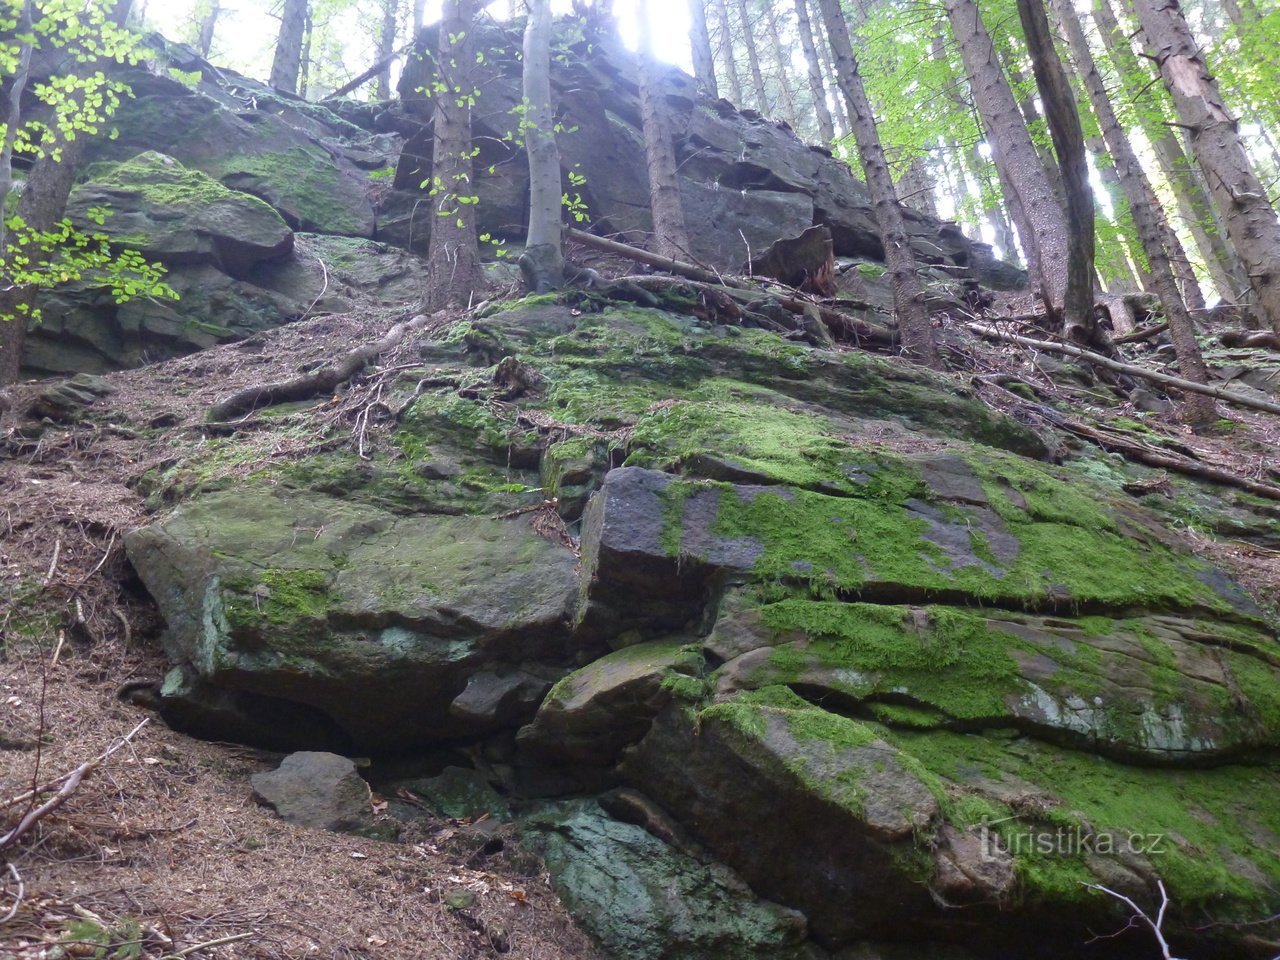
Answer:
(278, 597)
(1209, 821)
(304, 180)
(163, 181)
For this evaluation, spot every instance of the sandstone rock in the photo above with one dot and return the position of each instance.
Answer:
(318, 790)
(640, 899)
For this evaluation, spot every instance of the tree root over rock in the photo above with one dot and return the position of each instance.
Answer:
(319, 381)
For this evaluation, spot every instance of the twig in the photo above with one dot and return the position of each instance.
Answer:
(1156, 925)
(17, 899)
(53, 564)
(187, 951)
(70, 782)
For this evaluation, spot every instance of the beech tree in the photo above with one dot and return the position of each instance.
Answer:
(286, 65)
(1239, 196)
(453, 255)
(39, 248)
(908, 293)
(542, 263)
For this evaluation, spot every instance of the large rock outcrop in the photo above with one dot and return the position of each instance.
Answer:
(836, 626)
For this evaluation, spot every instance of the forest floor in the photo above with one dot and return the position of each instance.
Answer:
(161, 851)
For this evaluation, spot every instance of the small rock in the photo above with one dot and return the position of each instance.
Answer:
(320, 790)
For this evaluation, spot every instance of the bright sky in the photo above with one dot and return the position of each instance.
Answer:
(246, 32)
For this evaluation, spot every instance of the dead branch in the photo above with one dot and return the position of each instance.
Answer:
(1156, 926)
(369, 74)
(1146, 333)
(17, 897)
(1156, 377)
(842, 325)
(70, 782)
(320, 381)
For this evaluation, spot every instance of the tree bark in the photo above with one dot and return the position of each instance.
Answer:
(419, 15)
(726, 52)
(1063, 118)
(1147, 215)
(781, 59)
(753, 59)
(543, 259)
(840, 114)
(908, 292)
(287, 62)
(1042, 225)
(1250, 219)
(704, 67)
(208, 23)
(671, 238)
(453, 257)
(13, 116)
(387, 46)
(1184, 180)
(826, 127)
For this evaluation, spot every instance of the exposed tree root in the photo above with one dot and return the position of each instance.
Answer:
(320, 381)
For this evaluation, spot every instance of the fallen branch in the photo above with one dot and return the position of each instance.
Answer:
(841, 324)
(17, 897)
(1129, 368)
(369, 74)
(1156, 926)
(1146, 333)
(70, 782)
(195, 947)
(310, 384)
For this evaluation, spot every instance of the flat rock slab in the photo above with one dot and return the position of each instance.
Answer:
(319, 790)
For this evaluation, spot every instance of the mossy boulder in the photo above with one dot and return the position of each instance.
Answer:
(377, 622)
(176, 215)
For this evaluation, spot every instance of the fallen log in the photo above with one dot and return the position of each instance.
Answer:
(842, 325)
(308, 385)
(1133, 370)
(369, 74)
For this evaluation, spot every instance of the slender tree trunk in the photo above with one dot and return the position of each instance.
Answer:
(993, 211)
(671, 238)
(1063, 118)
(1036, 126)
(419, 15)
(208, 23)
(917, 187)
(1147, 216)
(753, 59)
(908, 292)
(783, 61)
(387, 46)
(286, 64)
(453, 256)
(826, 127)
(543, 259)
(13, 118)
(1251, 221)
(704, 67)
(1184, 180)
(1042, 226)
(726, 52)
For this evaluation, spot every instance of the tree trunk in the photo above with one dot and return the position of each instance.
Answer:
(287, 62)
(753, 58)
(1042, 226)
(826, 127)
(917, 187)
(1147, 216)
(1184, 180)
(387, 47)
(704, 67)
(1251, 222)
(671, 238)
(1036, 125)
(453, 256)
(13, 117)
(840, 114)
(208, 23)
(419, 15)
(1073, 163)
(782, 60)
(908, 292)
(726, 52)
(543, 260)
